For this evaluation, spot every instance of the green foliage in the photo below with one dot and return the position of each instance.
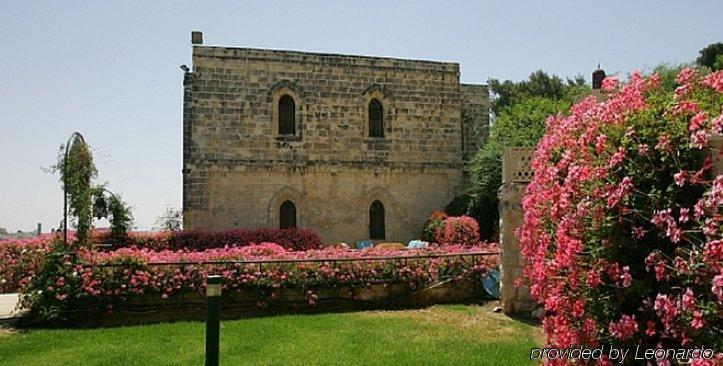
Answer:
(110, 206)
(711, 56)
(459, 205)
(718, 65)
(86, 201)
(540, 84)
(76, 173)
(56, 280)
(520, 124)
(433, 226)
(668, 73)
(171, 220)
(120, 218)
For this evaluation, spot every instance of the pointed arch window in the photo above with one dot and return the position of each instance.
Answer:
(376, 221)
(287, 115)
(287, 215)
(376, 118)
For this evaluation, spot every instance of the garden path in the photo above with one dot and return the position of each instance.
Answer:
(7, 306)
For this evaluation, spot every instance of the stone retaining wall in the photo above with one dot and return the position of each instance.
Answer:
(191, 306)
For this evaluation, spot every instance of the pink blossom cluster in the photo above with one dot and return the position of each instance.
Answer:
(621, 229)
(112, 277)
(451, 230)
(459, 230)
(20, 259)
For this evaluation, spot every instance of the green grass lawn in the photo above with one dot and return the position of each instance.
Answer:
(440, 335)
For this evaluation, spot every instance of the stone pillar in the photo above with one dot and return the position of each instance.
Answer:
(715, 144)
(516, 174)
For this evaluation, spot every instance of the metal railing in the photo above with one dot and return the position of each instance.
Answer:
(261, 262)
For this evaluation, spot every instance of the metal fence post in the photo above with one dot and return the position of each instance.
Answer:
(213, 323)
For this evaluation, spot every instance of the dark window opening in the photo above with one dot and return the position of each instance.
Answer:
(376, 221)
(376, 119)
(287, 116)
(287, 215)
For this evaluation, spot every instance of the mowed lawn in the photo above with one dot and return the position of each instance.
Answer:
(440, 335)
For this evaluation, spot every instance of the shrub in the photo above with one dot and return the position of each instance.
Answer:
(20, 259)
(621, 228)
(450, 230)
(290, 239)
(105, 280)
(520, 124)
(461, 230)
(433, 226)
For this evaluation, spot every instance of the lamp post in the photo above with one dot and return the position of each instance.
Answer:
(213, 323)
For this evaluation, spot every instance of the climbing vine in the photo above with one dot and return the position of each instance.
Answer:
(76, 168)
(87, 201)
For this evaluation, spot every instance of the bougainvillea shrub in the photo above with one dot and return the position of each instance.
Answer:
(108, 278)
(622, 227)
(450, 230)
(433, 226)
(21, 258)
(292, 239)
(459, 230)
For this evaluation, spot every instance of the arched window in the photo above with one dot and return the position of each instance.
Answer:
(376, 221)
(376, 119)
(287, 115)
(287, 215)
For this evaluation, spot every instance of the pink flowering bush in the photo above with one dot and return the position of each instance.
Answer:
(450, 230)
(462, 230)
(622, 228)
(433, 226)
(91, 279)
(20, 259)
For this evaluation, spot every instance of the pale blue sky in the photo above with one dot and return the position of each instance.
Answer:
(111, 69)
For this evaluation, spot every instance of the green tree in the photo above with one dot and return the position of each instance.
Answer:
(711, 56)
(520, 124)
(522, 109)
(540, 84)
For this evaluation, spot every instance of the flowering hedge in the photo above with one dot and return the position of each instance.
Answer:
(107, 279)
(293, 239)
(621, 228)
(20, 259)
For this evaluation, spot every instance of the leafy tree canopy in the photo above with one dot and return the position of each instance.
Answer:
(520, 124)
(711, 56)
(521, 109)
(540, 84)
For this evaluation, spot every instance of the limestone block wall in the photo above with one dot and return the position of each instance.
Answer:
(516, 174)
(716, 150)
(475, 118)
(237, 168)
(335, 203)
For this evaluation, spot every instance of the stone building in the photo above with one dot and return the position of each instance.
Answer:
(353, 147)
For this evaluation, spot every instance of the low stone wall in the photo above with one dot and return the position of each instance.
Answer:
(234, 305)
